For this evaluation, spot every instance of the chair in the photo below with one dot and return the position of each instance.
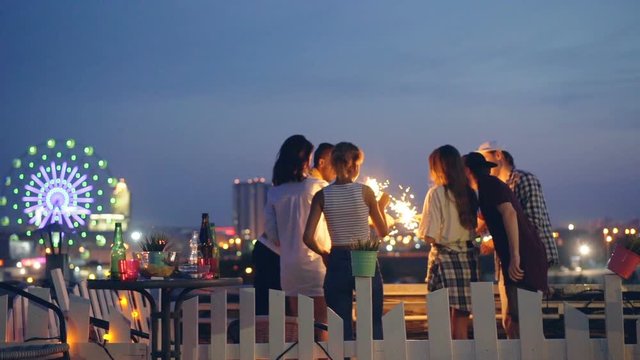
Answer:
(103, 301)
(26, 350)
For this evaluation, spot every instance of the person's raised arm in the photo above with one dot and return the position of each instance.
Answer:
(510, 221)
(376, 210)
(317, 204)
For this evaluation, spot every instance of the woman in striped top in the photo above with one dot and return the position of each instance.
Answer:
(347, 207)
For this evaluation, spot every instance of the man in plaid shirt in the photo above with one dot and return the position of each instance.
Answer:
(528, 190)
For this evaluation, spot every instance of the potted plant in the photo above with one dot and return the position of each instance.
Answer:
(625, 257)
(364, 256)
(154, 259)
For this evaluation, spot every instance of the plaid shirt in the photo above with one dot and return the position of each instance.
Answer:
(528, 190)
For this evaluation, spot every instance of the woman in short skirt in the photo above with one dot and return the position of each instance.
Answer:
(448, 224)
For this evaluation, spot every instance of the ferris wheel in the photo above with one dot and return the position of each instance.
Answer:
(57, 181)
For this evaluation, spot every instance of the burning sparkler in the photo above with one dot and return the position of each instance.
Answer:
(402, 209)
(405, 212)
(377, 186)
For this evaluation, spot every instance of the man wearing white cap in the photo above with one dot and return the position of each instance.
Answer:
(528, 190)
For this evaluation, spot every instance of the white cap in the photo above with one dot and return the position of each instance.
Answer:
(489, 146)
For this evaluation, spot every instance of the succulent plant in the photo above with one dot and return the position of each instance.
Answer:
(154, 242)
(369, 244)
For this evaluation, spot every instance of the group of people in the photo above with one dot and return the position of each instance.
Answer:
(472, 196)
(314, 215)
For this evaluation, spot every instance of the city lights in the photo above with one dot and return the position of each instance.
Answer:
(584, 250)
(571, 227)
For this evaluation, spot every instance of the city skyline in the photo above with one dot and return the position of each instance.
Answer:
(181, 111)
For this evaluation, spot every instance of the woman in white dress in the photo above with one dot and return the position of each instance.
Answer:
(288, 203)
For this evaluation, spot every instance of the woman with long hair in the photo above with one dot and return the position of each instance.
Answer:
(449, 219)
(347, 206)
(286, 211)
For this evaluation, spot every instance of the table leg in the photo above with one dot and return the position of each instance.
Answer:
(177, 321)
(165, 318)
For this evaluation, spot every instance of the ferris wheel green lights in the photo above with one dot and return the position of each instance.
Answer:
(57, 198)
(101, 240)
(57, 181)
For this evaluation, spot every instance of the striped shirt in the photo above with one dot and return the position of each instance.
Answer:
(347, 213)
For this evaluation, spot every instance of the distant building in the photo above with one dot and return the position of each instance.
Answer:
(120, 210)
(249, 199)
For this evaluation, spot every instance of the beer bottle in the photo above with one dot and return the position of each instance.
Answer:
(209, 249)
(118, 252)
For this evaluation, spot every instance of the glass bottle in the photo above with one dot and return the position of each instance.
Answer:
(118, 252)
(209, 249)
(215, 254)
(195, 253)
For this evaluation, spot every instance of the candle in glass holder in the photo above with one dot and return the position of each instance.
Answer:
(129, 269)
(132, 269)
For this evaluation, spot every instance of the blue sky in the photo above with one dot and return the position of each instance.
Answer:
(183, 97)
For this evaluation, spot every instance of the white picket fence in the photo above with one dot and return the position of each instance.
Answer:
(485, 345)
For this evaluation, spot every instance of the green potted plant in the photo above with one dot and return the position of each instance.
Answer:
(625, 257)
(364, 256)
(154, 259)
(154, 242)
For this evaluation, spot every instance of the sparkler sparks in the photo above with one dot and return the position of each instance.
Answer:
(402, 210)
(405, 212)
(377, 186)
